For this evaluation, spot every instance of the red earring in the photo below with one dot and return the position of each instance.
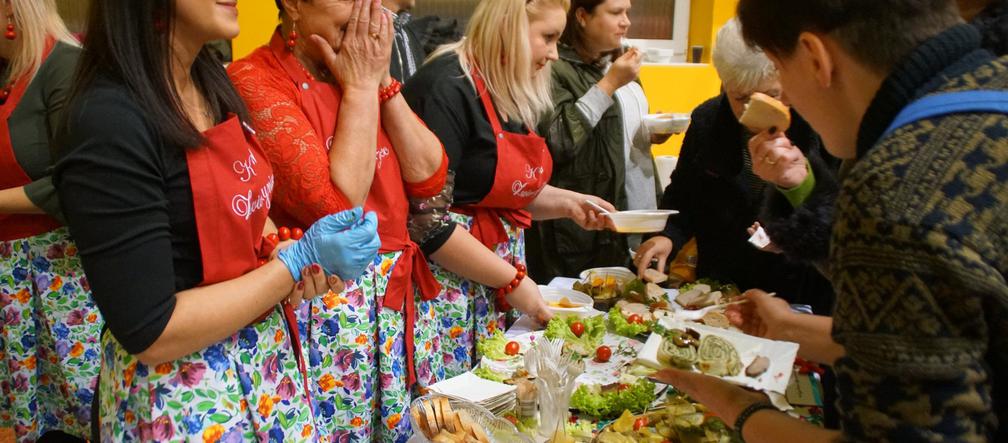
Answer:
(10, 34)
(292, 40)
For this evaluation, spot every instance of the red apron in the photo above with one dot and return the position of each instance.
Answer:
(15, 226)
(524, 167)
(320, 102)
(232, 186)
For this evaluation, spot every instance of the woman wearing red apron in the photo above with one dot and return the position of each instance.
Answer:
(480, 97)
(338, 135)
(168, 202)
(48, 325)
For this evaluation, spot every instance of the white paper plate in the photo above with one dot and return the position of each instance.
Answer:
(642, 221)
(781, 354)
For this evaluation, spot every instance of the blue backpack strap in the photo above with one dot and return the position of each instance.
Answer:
(990, 101)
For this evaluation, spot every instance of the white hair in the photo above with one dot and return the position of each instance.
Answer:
(740, 66)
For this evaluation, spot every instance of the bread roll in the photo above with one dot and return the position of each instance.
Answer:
(764, 112)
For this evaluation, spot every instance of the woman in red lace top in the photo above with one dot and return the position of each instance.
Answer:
(338, 135)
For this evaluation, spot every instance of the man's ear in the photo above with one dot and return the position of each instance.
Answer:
(814, 53)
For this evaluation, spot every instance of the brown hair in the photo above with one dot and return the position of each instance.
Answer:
(878, 33)
(573, 34)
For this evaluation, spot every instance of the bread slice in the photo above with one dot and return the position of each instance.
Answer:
(431, 417)
(421, 420)
(477, 432)
(764, 112)
(443, 437)
(466, 421)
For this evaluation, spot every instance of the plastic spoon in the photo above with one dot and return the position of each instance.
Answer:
(597, 206)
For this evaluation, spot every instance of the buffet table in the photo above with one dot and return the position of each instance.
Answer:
(803, 396)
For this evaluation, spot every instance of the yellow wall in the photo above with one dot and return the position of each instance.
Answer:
(257, 18)
(670, 88)
(680, 88)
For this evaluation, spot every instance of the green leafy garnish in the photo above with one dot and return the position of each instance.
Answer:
(592, 401)
(621, 326)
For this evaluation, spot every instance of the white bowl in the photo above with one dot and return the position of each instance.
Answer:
(642, 221)
(553, 295)
(667, 123)
(622, 275)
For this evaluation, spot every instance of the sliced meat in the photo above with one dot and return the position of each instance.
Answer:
(655, 276)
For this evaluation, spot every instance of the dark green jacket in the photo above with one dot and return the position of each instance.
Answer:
(586, 159)
(35, 122)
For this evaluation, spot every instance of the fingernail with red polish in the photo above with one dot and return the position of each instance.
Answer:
(316, 268)
(300, 285)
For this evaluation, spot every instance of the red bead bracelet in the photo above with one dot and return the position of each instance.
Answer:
(272, 239)
(385, 94)
(503, 291)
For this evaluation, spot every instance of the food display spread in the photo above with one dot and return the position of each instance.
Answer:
(637, 327)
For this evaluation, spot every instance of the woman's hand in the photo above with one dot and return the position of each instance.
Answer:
(657, 139)
(657, 248)
(724, 399)
(772, 248)
(366, 50)
(624, 70)
(527, 299)
(776, 160)
(764, 316)
(343, 244)
(586, 215)
(313, 283)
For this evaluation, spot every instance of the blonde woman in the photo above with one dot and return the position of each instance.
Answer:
(482, 97)
(49, 326)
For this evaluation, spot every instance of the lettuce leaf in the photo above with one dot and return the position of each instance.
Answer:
(621, 326)
(489, 374)
(493, 347)
(584, 345)
(592, 401)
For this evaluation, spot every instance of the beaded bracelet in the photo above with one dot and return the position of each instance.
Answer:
(274, 238)
(503, 291)
(748, 412)
(385, 94)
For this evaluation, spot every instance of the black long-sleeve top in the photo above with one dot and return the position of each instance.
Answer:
(129, 206)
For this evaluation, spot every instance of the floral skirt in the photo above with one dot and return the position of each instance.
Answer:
(244, 388)
(49, 327)
(466, 310)
(357, 358)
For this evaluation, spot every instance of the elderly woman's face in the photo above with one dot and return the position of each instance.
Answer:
(739, 98)
(326, 18)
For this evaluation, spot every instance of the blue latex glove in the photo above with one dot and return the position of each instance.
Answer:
(344, 244)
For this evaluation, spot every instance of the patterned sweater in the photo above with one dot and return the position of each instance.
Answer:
(919, 258)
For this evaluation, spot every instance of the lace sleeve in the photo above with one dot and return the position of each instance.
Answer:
(428, 216)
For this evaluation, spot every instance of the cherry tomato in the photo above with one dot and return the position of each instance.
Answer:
(577, 328)
(273, 238)
(622, 387)
(603, 354)
(511, 418)
(284, 233)
(640, 423)
(635, 319)
(512, 348)
(296, 234)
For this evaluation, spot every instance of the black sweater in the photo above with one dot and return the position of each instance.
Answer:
(712, 192)
(128, 203)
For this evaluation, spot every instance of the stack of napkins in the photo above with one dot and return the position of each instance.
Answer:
(496, 397)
